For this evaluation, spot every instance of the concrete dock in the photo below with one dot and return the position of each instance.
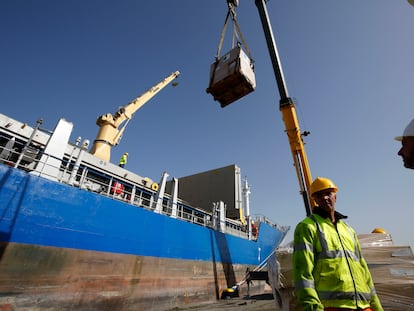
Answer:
(263, 302)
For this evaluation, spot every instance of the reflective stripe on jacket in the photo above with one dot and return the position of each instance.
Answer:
(328, 268)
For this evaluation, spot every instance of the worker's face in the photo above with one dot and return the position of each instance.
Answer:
(407, 151)
(325, 199)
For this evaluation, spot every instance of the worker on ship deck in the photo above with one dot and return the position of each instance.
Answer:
(123, 159)
(407, 142)
(329, 271)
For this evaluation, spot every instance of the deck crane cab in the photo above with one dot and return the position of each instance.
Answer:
(111, 127)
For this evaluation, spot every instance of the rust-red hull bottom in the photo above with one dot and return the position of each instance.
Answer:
(49, 278)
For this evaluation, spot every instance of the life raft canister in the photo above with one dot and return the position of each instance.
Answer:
(117, 188)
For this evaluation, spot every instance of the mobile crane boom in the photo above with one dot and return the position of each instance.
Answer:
(287, 108)
(111, 127)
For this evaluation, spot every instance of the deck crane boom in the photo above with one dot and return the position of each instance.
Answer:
(287, 108)
(111, 127)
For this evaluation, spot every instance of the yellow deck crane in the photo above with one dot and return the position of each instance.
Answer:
(111, 127)
(286, 104)
(287, 108)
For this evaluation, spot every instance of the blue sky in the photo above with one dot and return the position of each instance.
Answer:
(348, 65)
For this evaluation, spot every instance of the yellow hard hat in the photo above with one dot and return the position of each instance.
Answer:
(379, 230)
(322, 183)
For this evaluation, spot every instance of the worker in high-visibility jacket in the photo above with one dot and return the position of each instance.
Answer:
(328, 268)
(406, 151)
(123, 159)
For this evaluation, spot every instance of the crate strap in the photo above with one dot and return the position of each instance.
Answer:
(236, 33)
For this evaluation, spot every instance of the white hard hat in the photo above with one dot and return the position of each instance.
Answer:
(409, 131)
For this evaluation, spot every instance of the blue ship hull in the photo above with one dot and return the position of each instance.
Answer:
(40, 214)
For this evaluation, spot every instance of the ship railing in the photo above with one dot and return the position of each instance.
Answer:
(138, 196)
(29, 157)
(146, 198)
(234, 227)
(14, 152)
(263, 219)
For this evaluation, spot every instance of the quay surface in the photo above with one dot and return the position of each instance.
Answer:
(263, 302)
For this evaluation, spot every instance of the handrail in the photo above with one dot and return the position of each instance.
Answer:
(107, 184)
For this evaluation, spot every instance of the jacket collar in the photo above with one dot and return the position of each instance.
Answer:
(320, 212)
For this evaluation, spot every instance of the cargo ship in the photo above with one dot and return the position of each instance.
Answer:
(79, 232)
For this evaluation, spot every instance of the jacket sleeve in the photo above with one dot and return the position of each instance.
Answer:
(303, 266)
